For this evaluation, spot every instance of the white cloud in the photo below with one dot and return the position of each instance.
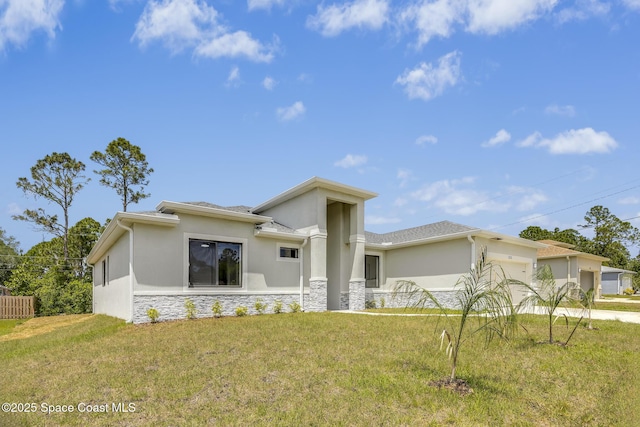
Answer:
(500, 138)
(426, 81)
(294, 111)
(268, 83)
(264, 4)
(182, 24)
(561, 110)
(493, 16)
(531, 140)
(631, 200)
(426, 139)
(404, 175)
(379, 220)
(332, 20)
(526, 199)
(14, 209)
(114, 4)
(432, 18)
(583, 9)
(234, 77)
(400, 201)
(632, 4)
(460, 197)
(351, 161)
(19, 19)
(574, 141)
(237, 44)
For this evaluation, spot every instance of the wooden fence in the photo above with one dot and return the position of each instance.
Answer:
(16, 307)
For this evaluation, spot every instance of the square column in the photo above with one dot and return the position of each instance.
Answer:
(318, 280)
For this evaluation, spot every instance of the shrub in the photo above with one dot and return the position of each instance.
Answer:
(628, 291)
(191, 309)
(153, 315)
(242, 311)
(260, 306)
(370, 304)
(382, 302)
(295, 307)
(277, 307)
(217, 309)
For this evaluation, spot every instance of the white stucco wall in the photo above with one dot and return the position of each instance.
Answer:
(161, 265)
(435, 266)
(114, 298)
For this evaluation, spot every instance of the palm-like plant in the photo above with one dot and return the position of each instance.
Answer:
(477, 295)
(546, 294)
(588, 302)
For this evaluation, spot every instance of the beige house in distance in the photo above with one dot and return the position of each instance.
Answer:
(306, 245)
(571, 266)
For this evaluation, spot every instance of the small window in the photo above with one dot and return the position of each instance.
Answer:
(371, 268)
(214, 263)
(104, 272)
(288, 252)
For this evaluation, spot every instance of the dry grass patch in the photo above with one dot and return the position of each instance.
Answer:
(43, 325)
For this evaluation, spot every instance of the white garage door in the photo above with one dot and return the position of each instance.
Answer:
(516, 271)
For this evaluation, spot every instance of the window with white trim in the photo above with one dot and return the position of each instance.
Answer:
(288, 252)
(214, 263)
(105, 271)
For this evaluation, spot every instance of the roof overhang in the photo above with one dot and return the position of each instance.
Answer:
(280, 235)
(312, 184)
(577, 255)
(177, 207)
(461, 235)
(113, 232)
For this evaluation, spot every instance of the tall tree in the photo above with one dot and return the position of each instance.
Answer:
(571, 236)
(9, 250)
(57, 178)
(125, 167)
(611, 234)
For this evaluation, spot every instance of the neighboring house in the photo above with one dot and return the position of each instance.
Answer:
(616, 280)
(571, 266)
(4, 291)
(307, 245)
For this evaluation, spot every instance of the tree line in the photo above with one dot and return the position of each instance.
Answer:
(611, 239)
(54, 271)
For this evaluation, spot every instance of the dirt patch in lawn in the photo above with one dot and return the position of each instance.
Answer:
(458, 385)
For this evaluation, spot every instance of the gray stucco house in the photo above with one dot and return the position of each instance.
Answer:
(306, 245)
(616, 280)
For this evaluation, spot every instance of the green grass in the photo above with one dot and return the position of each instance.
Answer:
(6, 326)
(319, 369)
(629, 297)
(617, 306)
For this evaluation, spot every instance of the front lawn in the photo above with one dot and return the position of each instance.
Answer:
(316, 369)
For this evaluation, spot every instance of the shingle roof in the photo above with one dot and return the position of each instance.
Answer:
(278, 227)
(552, 251)
(437, 229)
(239, 208)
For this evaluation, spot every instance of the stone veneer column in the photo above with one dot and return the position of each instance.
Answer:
(356, 294)
(357, 280)
(318, 269)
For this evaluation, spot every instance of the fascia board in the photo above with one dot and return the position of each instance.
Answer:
(280, 235)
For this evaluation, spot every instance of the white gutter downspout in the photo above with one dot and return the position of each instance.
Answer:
(619, 283)
(130, 230)
(473, 251)
(302, 273)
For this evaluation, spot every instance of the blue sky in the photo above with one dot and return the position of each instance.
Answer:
(497, 114)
